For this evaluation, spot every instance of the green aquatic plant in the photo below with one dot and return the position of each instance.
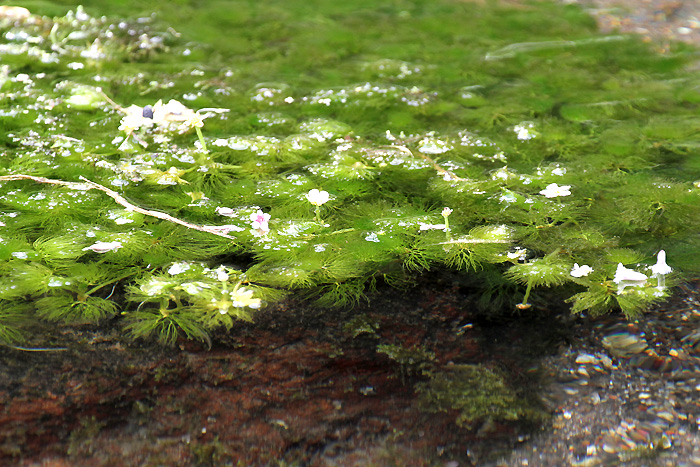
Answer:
(413, 361)
(478, 394)
(180, 187)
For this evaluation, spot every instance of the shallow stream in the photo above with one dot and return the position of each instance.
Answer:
(158, 162)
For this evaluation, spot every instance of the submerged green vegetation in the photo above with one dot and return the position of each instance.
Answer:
(183, 171)
(478, 394)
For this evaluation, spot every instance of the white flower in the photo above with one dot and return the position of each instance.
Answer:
(625, 274)
(259, 221)
(244, 297)
(178, 268)
(173, 111)
(239, 298)
(317, 197)
(627, 277)
(581, 271)
(553, 190)
(195, 120)
(446, 212)
(221, 274)
(103, 247)
(661, 268)
(228, 212)
(222, 305)
(523, 131)
(131, 123)
(15, 13)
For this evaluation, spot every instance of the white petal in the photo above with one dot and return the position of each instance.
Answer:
(624, 274)
(661, 267)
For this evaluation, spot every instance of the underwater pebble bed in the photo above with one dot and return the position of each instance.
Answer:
(626, 393)
(304, 391)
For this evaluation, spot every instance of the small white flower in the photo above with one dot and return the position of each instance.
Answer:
(131, 123)
(103, 247)
(221, 274)
(625, 274)
(195, 120)
(228, 212)
(553, 190)
(523, 131)
(446, 212)
(178, 268)
(581, 271)
(661, 268)
(625, 277)
(317, 197)
(222, 305)
(244, 297)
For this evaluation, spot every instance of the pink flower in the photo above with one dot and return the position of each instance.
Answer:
(259, 221)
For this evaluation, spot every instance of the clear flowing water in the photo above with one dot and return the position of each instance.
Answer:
(179, 165)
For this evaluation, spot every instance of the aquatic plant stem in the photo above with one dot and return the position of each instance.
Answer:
(87, 185)
(36, 349)
(201, 138)
(524, 304)
(105, 284)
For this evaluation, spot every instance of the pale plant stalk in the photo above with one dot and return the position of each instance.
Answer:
(87, 185)
(201, 138)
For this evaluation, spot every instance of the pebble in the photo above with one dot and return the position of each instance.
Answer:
(644, 400)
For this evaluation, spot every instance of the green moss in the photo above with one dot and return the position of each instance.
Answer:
(413, 361)
(477, 394)
(361, 324)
